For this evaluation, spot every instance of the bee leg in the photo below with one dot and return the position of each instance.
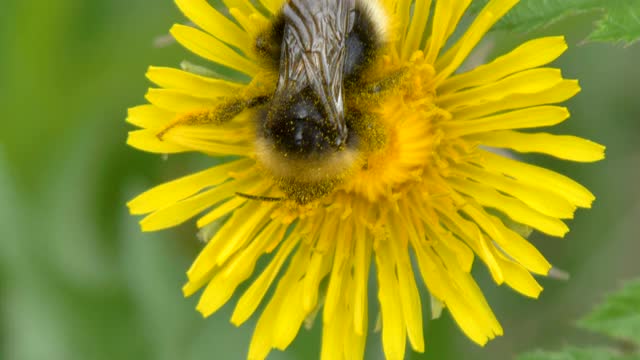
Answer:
(233, 107)
(367, 94)
(257, 101)
(259, 198)
(389, 82)
(220, 114)
(367, 130)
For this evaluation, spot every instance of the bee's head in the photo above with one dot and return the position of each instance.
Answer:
(298, 127)
(297, 142)
(317, 47)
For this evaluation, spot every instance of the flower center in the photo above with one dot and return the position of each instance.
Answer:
(408, 118)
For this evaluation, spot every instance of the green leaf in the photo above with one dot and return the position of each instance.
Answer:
(530, 15)
(620, 18)
(620, 23)
(577, 354)
(619, 316)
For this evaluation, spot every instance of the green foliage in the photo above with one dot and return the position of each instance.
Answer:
(620, 20)
(618, 317)
(620, 23)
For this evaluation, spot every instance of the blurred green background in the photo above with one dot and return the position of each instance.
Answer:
(79, 281)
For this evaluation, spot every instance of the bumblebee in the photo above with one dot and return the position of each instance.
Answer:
(308, 135)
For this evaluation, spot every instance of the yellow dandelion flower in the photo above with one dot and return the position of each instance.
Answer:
(354, 143)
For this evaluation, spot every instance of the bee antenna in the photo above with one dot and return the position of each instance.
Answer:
(260, 198)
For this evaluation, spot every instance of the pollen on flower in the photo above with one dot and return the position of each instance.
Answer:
(405, 134)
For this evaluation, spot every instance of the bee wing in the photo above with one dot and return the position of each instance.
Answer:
(313, 53)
